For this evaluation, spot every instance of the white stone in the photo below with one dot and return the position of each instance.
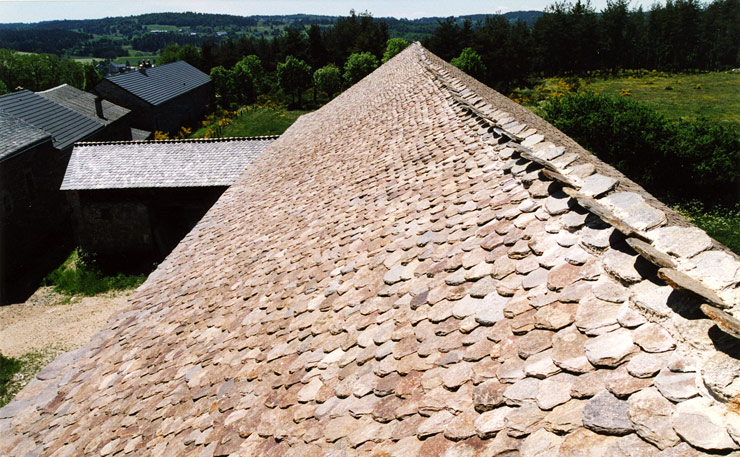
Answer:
(702, 424)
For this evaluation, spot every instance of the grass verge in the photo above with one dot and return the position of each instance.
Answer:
(78, 275)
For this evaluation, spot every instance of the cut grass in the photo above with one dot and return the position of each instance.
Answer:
(78, 275)
(253, 121)
(713, 96)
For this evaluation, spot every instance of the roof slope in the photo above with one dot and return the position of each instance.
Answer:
(405, 283)
(65, 126)
(16, 135)
(157, 85)
(84, 103)
(183, 163)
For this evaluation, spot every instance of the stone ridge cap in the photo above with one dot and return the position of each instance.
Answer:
(687, 258)
(184, 140)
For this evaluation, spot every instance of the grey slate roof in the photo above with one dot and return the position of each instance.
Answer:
(147, 164)
(65, 126)
(15, 135)
(84, 103)
(157, 85)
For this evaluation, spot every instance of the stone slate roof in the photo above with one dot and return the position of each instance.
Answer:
(148, 164)
(160, 84)
(65, 125)
(84, 103)
(17, 135)
(427, 277)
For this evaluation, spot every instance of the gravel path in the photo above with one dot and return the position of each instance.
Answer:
(49, 320)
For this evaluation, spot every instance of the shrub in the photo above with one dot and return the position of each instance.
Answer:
(470, 62)
(327, 79)
(393, 47)
(358, 66)
(8, 368)
(79, 275)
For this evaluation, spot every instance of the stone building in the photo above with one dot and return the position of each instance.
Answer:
(162, 98)
(36, 229)
(132, 202)
(419, 268)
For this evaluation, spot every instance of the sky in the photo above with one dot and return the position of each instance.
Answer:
(44, 10)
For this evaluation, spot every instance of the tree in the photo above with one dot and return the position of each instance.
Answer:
(91, 76)
(248, 77)
(3, 88)
(358, 66)
(393, 47)
(294, 76)
(470, 62)
(327, 79)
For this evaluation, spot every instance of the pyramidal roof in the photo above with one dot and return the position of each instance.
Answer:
(421, 267)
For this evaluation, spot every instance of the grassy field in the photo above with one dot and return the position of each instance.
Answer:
(714, 96)
(256, 120)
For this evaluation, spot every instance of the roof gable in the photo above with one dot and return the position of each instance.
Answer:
(427, 277)
(16, 135)
(150, 164)
(157, 85)
(65, 126)
(84, 103)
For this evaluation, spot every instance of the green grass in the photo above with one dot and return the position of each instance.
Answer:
(253, 121)
(717, 97)
(15, 373)
(166, 28)
(78, 275)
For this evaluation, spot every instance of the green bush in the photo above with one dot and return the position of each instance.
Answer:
(8, 368)
(672, 159)
(79, 275)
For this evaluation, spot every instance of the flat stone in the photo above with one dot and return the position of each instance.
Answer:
(566, 417)
(457, 375)
(488, 395)
(715, 269)
(461, 427)
(596, 239)
(436, 423)
(491, 422)
(644, 365)
(511, 370)
(679, 280)
(596, 317)
(721, 375)
(555, 316)
(621, 266)
(605, 413)
(676, 386)
(522, 391)
(491, 309)
(535, 341)
(609, 290)
(652, 255)
(479, 271)
(680, 241)
(652, 298)
(483, 287)
(339, 427)
(309, 391)
(467, 306)
(534, 279)
(541, 366)
(682, 450)
(576, 255)
(622, 384)
(597, 185)
(629, 317)
(541, 444)
(631, 446)
(393, 275)
(610, 349)
(725, 321)
(585, 443)
(557, 203)
(568, 351)
(650, 414)
(589, 384)
(702, 424)
(554, 391)
(562, 276)
(566, 239)
(524, 420)
(653, 338)
(633, 211)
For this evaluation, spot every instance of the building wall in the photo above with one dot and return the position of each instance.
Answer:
(129, 229)
(35, 229)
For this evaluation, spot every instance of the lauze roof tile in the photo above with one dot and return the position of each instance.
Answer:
(440, 273)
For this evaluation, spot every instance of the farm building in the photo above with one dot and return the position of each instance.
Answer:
(440, 273)
(36, 228)
(162, 98)
(132, 202)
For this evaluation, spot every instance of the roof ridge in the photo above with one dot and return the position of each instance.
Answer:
(180, 140)
(642, 223)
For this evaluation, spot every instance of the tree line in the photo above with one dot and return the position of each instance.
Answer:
(572, 38)
(38, 72)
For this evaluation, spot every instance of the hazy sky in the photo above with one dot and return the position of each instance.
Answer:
(43, 10)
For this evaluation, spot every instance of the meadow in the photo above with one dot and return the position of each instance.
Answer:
(255, 120)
